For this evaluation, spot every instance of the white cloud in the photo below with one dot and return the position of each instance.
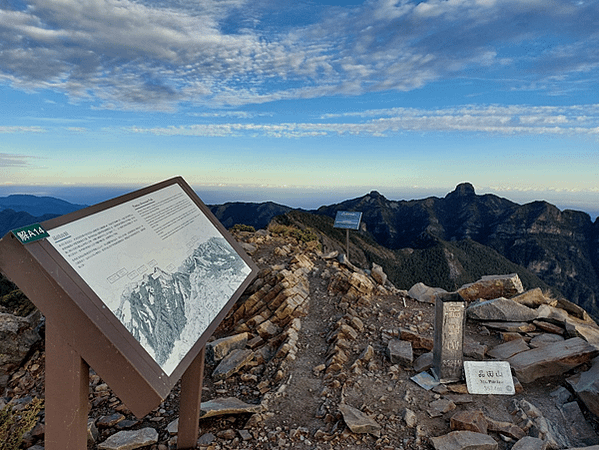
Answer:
(126, 54)
(578, 120)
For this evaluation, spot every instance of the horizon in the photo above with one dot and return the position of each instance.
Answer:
(304, 98)
(297, 197)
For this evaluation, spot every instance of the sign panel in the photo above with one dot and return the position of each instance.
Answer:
(30, 233)
(159, 265)
(348, 219)
(135, 285)
(489, 377)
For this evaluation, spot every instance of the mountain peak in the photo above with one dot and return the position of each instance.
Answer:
(464, 190)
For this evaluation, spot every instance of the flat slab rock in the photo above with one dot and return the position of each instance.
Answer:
(130, 440)
(358, 422)
(552, 359)
(464, 440)
(501, 309)
(586, 386)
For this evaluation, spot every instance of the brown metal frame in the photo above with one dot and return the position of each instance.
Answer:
(79, 319)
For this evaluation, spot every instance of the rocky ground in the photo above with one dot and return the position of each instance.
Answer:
(306, 359)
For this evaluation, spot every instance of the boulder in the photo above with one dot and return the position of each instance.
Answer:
(464, 440)
(530, 443)
(553, 359)
(501, 309)
(424, 293)
(492, 286)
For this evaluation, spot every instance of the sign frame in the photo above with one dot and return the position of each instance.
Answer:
(87, 325)
(349, 220)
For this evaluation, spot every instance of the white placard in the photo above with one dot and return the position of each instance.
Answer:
(489, 377)
(159, 264)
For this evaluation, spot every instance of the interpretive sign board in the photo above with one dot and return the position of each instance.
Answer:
(489, 377)
(135, 285)
(348, 219)
(448, 356)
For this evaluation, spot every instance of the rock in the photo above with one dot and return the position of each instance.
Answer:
(410, 418)
(501, 309)
(417, 341)
(586, 386)
(505, 428)
(129, 440)
(545, 339)
(358, 422)
(400, 352)
(492, 286)
(469, 421)
(533, 298)
(530, 443)
(218, 349)
(440, 407)
(508, 349)
(109, 421)
(512, 327)
(578, 429)
(424, 293)
(206, 439)
(464, 440)
(548, 327)
(423, 362)
(474, 350)
(232, 363)
(229, 405)
(17, 336)
(378, 274)
(553, 359)
(92, 431)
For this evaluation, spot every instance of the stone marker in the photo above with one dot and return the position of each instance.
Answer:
(358, 422)
(553, 359)
(448, 355)
(464, 440)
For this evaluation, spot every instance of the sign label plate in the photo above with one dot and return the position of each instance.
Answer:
(30, 233)
(348, 220)
(489, 377)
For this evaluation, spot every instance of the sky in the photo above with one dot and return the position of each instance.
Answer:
(299, 102)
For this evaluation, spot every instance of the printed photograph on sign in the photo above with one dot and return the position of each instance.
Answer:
(160, 266)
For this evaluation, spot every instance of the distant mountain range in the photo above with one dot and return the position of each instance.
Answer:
(442, 242)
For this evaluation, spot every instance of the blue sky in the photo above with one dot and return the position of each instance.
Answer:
(303, 103)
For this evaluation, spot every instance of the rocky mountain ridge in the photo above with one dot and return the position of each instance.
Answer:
(321, 354)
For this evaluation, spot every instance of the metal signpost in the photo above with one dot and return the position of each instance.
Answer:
(104, 276)
(350, 221)
(448, 355)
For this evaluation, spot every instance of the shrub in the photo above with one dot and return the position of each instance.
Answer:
(14, 425)
(242, 227)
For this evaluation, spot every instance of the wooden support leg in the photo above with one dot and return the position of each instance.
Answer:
(67, 389)
(189, 403)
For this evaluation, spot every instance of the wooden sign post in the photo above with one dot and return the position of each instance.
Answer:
(350, 221)
(132, 287)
